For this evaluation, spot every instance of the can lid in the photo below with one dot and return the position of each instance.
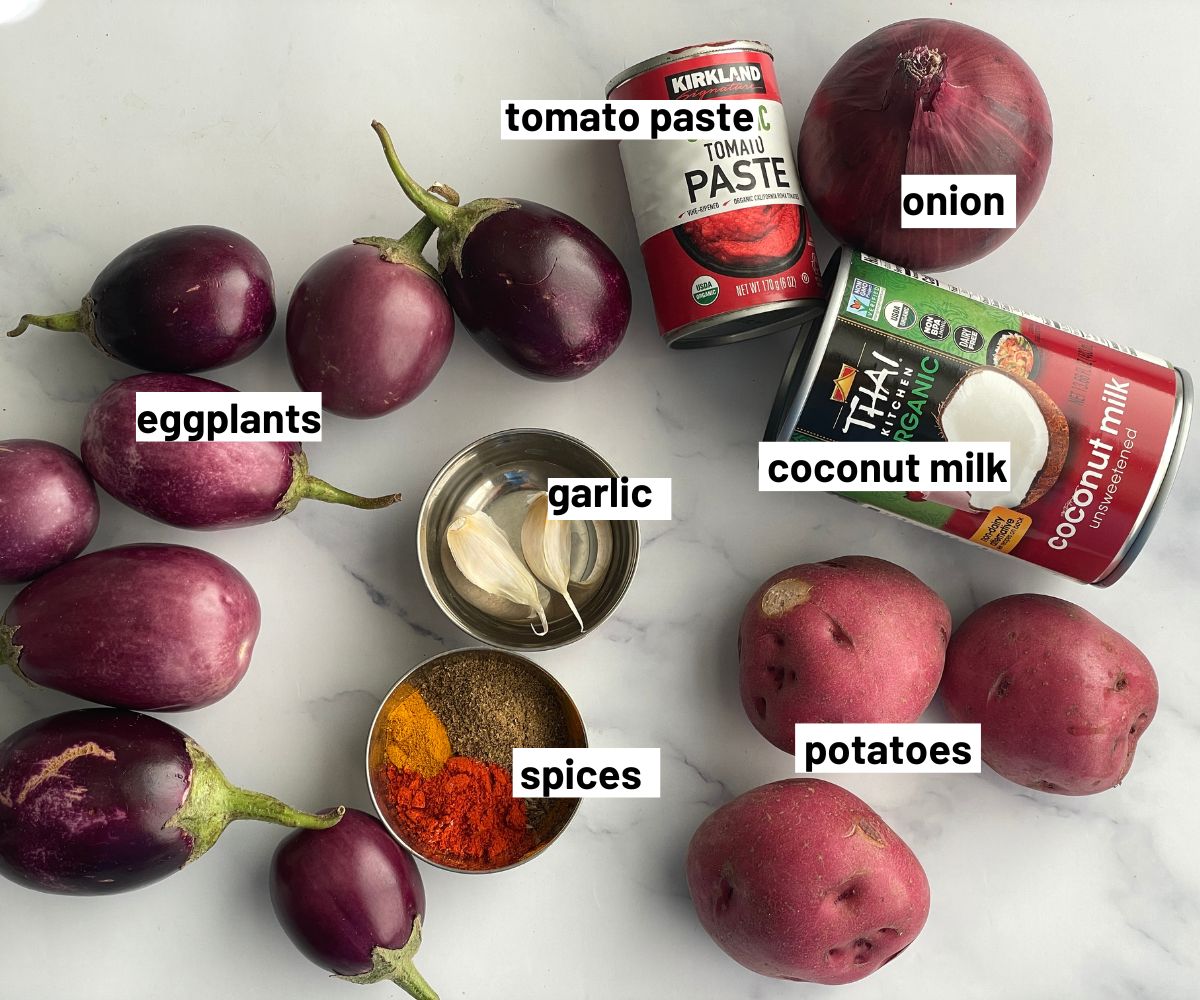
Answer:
(795, 381)
(687, 52)
(1149, 516)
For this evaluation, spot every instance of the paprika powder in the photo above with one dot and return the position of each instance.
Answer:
(464, 814)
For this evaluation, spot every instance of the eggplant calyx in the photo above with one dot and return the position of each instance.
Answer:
(453, 235)
(454, 222)
(211, 803)
(10, 652)
(395, 965)
(306, 487)
(408, 249)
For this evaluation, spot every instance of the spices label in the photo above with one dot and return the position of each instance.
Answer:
(587, 772)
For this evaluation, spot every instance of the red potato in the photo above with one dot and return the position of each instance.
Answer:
(853, 639)
(1062, 698)
(802, 880)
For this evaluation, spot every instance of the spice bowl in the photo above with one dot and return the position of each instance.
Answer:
(498, 475)
(439, 759)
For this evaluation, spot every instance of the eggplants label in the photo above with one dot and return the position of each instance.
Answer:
(1091, 425)
(227, 416)
(726, 213)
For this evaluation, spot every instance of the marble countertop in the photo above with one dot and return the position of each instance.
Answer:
(121, 119)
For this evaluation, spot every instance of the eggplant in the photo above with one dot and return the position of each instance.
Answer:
(538, 289)
(104, 800)
(182, 300)
(159, 628)
(48, 508)
(351, 899)
(368, 325)
(198, 484)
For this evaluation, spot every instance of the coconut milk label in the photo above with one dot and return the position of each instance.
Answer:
(909, 359)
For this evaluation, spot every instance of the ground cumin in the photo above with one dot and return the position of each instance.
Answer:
(489, 705)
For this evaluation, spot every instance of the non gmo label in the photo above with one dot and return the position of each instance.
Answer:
(881, 748)
(228, 416)
(958, 201)
(620, 499)
(586, 772)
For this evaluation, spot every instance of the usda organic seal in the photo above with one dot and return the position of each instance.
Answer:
(705, 289)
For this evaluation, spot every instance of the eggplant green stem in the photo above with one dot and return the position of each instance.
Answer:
(306, 487)
(82, 320)
(212, 803)
(455, 222)
(395, 965)
(409, 248)
(438, 211)
(68, 322)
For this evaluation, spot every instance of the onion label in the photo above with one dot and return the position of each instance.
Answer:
(886, 748)
(586, 772)
(958, 201)
(614, 499)
(227, 416)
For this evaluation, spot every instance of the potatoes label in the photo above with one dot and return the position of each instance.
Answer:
(883, 748)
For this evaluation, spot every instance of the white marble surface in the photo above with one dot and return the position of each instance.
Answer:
(118, 120)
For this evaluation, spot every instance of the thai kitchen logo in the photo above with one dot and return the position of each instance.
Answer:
(844, 383)
(711, 82)
(865, 300)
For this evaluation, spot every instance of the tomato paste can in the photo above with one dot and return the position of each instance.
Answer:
(1096, 430)
(724, 234)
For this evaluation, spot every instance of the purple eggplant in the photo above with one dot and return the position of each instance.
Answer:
(182, 300)
(103, 800)
(159, 628)
(48, 508)
(369, 325)
(351, 899)
(537, 288)
(198, 484)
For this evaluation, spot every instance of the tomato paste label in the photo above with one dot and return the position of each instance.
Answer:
(1089, 423)
(721, 222)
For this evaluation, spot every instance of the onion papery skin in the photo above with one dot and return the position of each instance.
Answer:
(926, 96)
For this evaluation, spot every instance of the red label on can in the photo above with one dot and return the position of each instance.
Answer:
(722, 223)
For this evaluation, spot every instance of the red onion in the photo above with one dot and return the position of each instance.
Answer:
(925, 96)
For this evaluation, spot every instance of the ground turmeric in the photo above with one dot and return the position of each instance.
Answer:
(415, 738)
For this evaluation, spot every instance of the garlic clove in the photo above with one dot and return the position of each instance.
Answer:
(482, 553)
(546, 546)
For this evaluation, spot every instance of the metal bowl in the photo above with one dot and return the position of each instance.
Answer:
(561, 811)
(497, 474)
